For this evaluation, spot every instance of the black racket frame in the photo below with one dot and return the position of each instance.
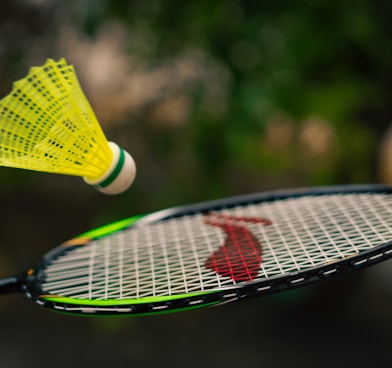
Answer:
(30, 282)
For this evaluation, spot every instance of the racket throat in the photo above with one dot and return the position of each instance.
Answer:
(11, 285)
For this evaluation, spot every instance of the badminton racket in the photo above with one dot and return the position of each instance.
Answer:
(214, 252)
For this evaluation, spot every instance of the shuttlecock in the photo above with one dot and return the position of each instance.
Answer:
(47, 124)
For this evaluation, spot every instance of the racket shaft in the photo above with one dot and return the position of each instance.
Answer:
(10, 285)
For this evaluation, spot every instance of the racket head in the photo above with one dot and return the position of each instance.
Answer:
(214, 252)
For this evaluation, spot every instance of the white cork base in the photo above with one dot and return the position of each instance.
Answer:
(120, 174)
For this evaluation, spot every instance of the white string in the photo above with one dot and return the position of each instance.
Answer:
(91, 270)
(166, 258)
(214, 279)
(106, 247)
(324, 218)
(161, 235)
(177, 244)
(282, 209)
(197, 261)
(121, 263)
(149, 247)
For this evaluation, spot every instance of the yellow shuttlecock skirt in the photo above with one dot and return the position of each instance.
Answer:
(47, 124)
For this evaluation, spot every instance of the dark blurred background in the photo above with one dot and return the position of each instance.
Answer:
(212, 99)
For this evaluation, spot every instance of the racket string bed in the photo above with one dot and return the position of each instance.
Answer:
(169, 257)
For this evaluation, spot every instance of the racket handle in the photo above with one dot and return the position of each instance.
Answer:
(10, 285)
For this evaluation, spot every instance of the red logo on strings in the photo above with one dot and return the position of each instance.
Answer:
(239, 257)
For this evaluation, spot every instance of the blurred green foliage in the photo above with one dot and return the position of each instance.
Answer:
(288, 93)
(212, 98)
(302, 58)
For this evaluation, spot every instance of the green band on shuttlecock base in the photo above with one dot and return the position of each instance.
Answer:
(113, 176)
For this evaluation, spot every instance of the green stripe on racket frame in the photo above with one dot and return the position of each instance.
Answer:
(214, 252)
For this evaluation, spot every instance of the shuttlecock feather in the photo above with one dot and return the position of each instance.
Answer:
(47, 124)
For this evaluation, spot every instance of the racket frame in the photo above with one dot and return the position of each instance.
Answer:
(242, 290)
